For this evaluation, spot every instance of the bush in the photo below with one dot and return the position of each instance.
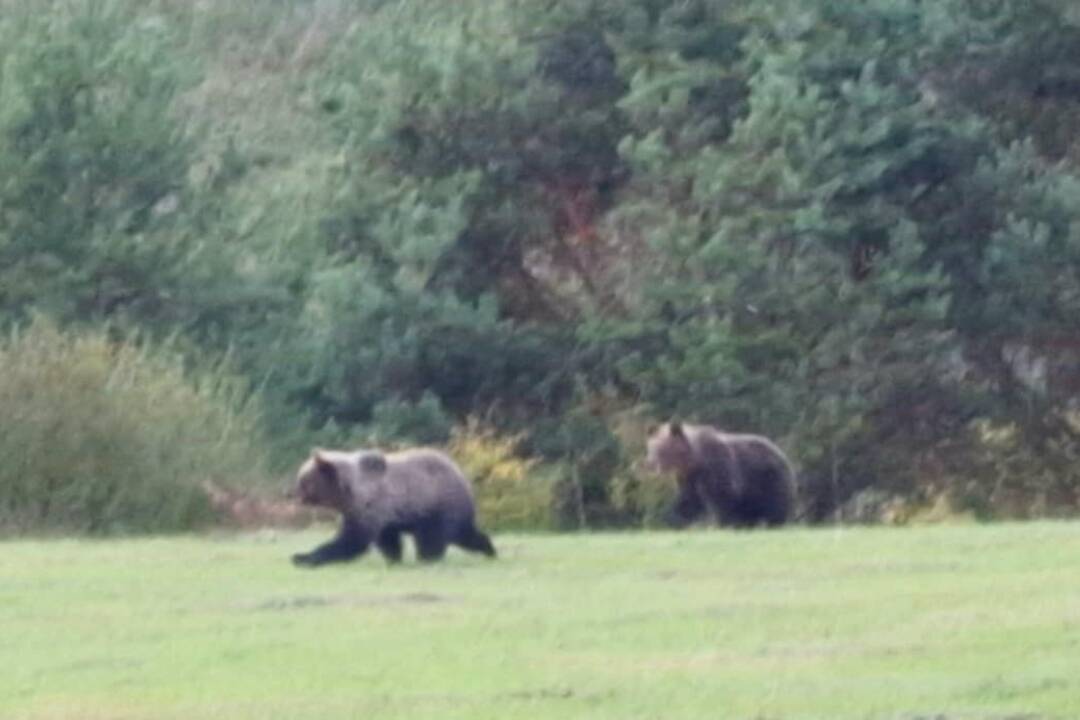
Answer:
(583, 455)
(509, 496)
(423, 422)
(642, 498)
(99, 436)
(1006, 475)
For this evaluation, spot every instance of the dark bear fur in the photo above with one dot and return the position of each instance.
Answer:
(743, 480)
(420, 492)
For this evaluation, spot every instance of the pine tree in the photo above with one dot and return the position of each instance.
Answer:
(94, 162)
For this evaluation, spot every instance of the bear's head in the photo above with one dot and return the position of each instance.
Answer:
(322, 481)
(668, 449)
(339, 480)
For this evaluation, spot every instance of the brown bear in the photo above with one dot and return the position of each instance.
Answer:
(380, 496)
(744, 480)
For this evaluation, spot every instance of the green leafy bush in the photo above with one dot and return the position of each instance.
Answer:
(642, 498)
(639, 496)
(99, 436)
(509, 495)
(1004, 476)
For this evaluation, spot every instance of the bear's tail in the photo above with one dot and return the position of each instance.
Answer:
(475, 540)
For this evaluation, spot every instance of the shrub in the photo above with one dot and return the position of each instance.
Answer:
(1007, 476)
(423, 422)
(509, 495)
(99, 436)
(642, 498)
(583, 455)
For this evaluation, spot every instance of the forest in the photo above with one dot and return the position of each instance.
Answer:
(527, 230)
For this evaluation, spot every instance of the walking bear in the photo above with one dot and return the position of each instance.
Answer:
(380, 496)
(743, 480)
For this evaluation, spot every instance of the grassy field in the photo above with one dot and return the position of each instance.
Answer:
(945, 623)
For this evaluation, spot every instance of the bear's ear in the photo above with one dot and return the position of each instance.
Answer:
(324, 464)
(373, 462)
(676, 429)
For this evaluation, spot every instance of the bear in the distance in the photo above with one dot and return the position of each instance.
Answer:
(382, 495)
(743, 480)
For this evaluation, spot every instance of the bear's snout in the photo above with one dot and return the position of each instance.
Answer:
(303, 492)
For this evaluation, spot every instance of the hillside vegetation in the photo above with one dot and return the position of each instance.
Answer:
(854, 227)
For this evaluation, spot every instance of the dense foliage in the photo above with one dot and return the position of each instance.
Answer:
(852, 226)
(102, 437)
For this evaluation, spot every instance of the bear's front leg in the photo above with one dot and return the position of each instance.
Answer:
(350, 542)
(389, 544)
(688, 507)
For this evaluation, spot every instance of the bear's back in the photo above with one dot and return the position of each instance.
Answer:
(757, 451)
(422, 480)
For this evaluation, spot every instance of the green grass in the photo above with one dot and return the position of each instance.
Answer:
(952, 622)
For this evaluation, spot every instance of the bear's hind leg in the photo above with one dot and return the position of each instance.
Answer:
(475, 540)
(775, 498)
(430, 541)
(389, 544)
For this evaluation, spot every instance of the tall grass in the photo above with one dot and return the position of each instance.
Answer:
(99, 436)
